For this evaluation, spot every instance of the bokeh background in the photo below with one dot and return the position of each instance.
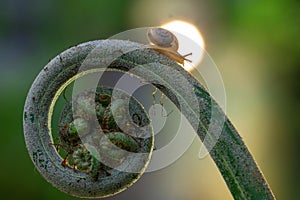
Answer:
(255, 45)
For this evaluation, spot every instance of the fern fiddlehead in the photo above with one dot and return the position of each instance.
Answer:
(241, 173)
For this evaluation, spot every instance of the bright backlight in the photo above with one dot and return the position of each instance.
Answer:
(190, 41)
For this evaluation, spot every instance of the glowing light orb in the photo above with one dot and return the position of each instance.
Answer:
(190, 40)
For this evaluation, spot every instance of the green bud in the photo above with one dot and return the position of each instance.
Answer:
(103, 99)
(82, 158)
(100, 109)
(113, 148)
(123, 141)
(85, 105)
(115, 115)
(79, 125)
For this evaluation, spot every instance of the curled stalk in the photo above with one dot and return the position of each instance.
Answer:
(237, 166)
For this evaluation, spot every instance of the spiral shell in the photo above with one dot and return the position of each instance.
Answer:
(163, 38)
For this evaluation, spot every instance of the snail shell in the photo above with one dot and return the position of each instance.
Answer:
(163, 38)
(166, 43)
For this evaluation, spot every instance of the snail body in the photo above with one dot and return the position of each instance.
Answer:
(166, 43)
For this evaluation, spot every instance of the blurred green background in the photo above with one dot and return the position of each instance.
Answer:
(255, 44)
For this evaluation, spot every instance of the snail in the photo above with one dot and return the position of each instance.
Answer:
(166, 43)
